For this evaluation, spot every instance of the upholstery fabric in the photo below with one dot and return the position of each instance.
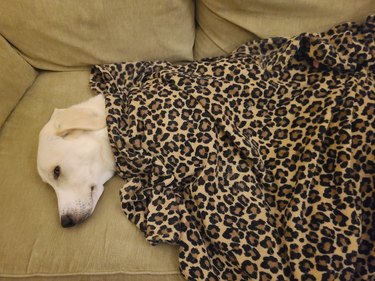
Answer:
(259, 164)
(11, 90)
(33, 245)
(226, 24)
(61, 35)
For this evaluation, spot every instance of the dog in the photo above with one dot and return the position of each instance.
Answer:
(75, 158)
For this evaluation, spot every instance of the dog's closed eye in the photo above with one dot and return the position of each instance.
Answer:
(56, 172)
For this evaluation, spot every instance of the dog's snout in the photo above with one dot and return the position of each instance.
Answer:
(67, 221)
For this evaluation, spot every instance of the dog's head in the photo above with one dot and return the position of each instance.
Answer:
(75, 158)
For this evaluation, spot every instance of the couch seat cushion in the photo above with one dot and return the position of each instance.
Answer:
(33, 245)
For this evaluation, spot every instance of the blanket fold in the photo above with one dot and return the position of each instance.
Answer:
(259, 165)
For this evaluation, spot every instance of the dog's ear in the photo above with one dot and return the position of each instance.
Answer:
(84, 117)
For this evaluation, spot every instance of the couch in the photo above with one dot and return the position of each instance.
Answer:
(46, 50)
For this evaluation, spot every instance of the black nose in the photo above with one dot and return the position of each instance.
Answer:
(67, 221)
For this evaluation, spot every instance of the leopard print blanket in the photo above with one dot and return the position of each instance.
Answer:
(259, 165)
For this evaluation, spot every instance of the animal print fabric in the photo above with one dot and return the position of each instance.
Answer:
(259, 165)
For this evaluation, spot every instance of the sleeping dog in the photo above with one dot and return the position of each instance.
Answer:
(75, 158)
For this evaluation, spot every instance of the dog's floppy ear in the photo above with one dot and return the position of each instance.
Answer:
(86, 117)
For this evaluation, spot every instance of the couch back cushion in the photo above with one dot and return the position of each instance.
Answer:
(63, 35)
(224, 25)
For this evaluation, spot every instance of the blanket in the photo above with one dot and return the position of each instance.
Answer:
(260, 164)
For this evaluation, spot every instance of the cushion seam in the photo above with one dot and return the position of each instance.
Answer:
(6, 275)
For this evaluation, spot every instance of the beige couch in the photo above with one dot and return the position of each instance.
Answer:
(46, 50)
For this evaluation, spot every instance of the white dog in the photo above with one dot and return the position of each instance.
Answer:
(75, 158)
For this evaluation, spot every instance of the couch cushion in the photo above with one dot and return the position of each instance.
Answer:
(58, 35)
(32, 242)
(11, 90)
(227, 24)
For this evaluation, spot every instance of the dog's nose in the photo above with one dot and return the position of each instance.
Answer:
(67, 221)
